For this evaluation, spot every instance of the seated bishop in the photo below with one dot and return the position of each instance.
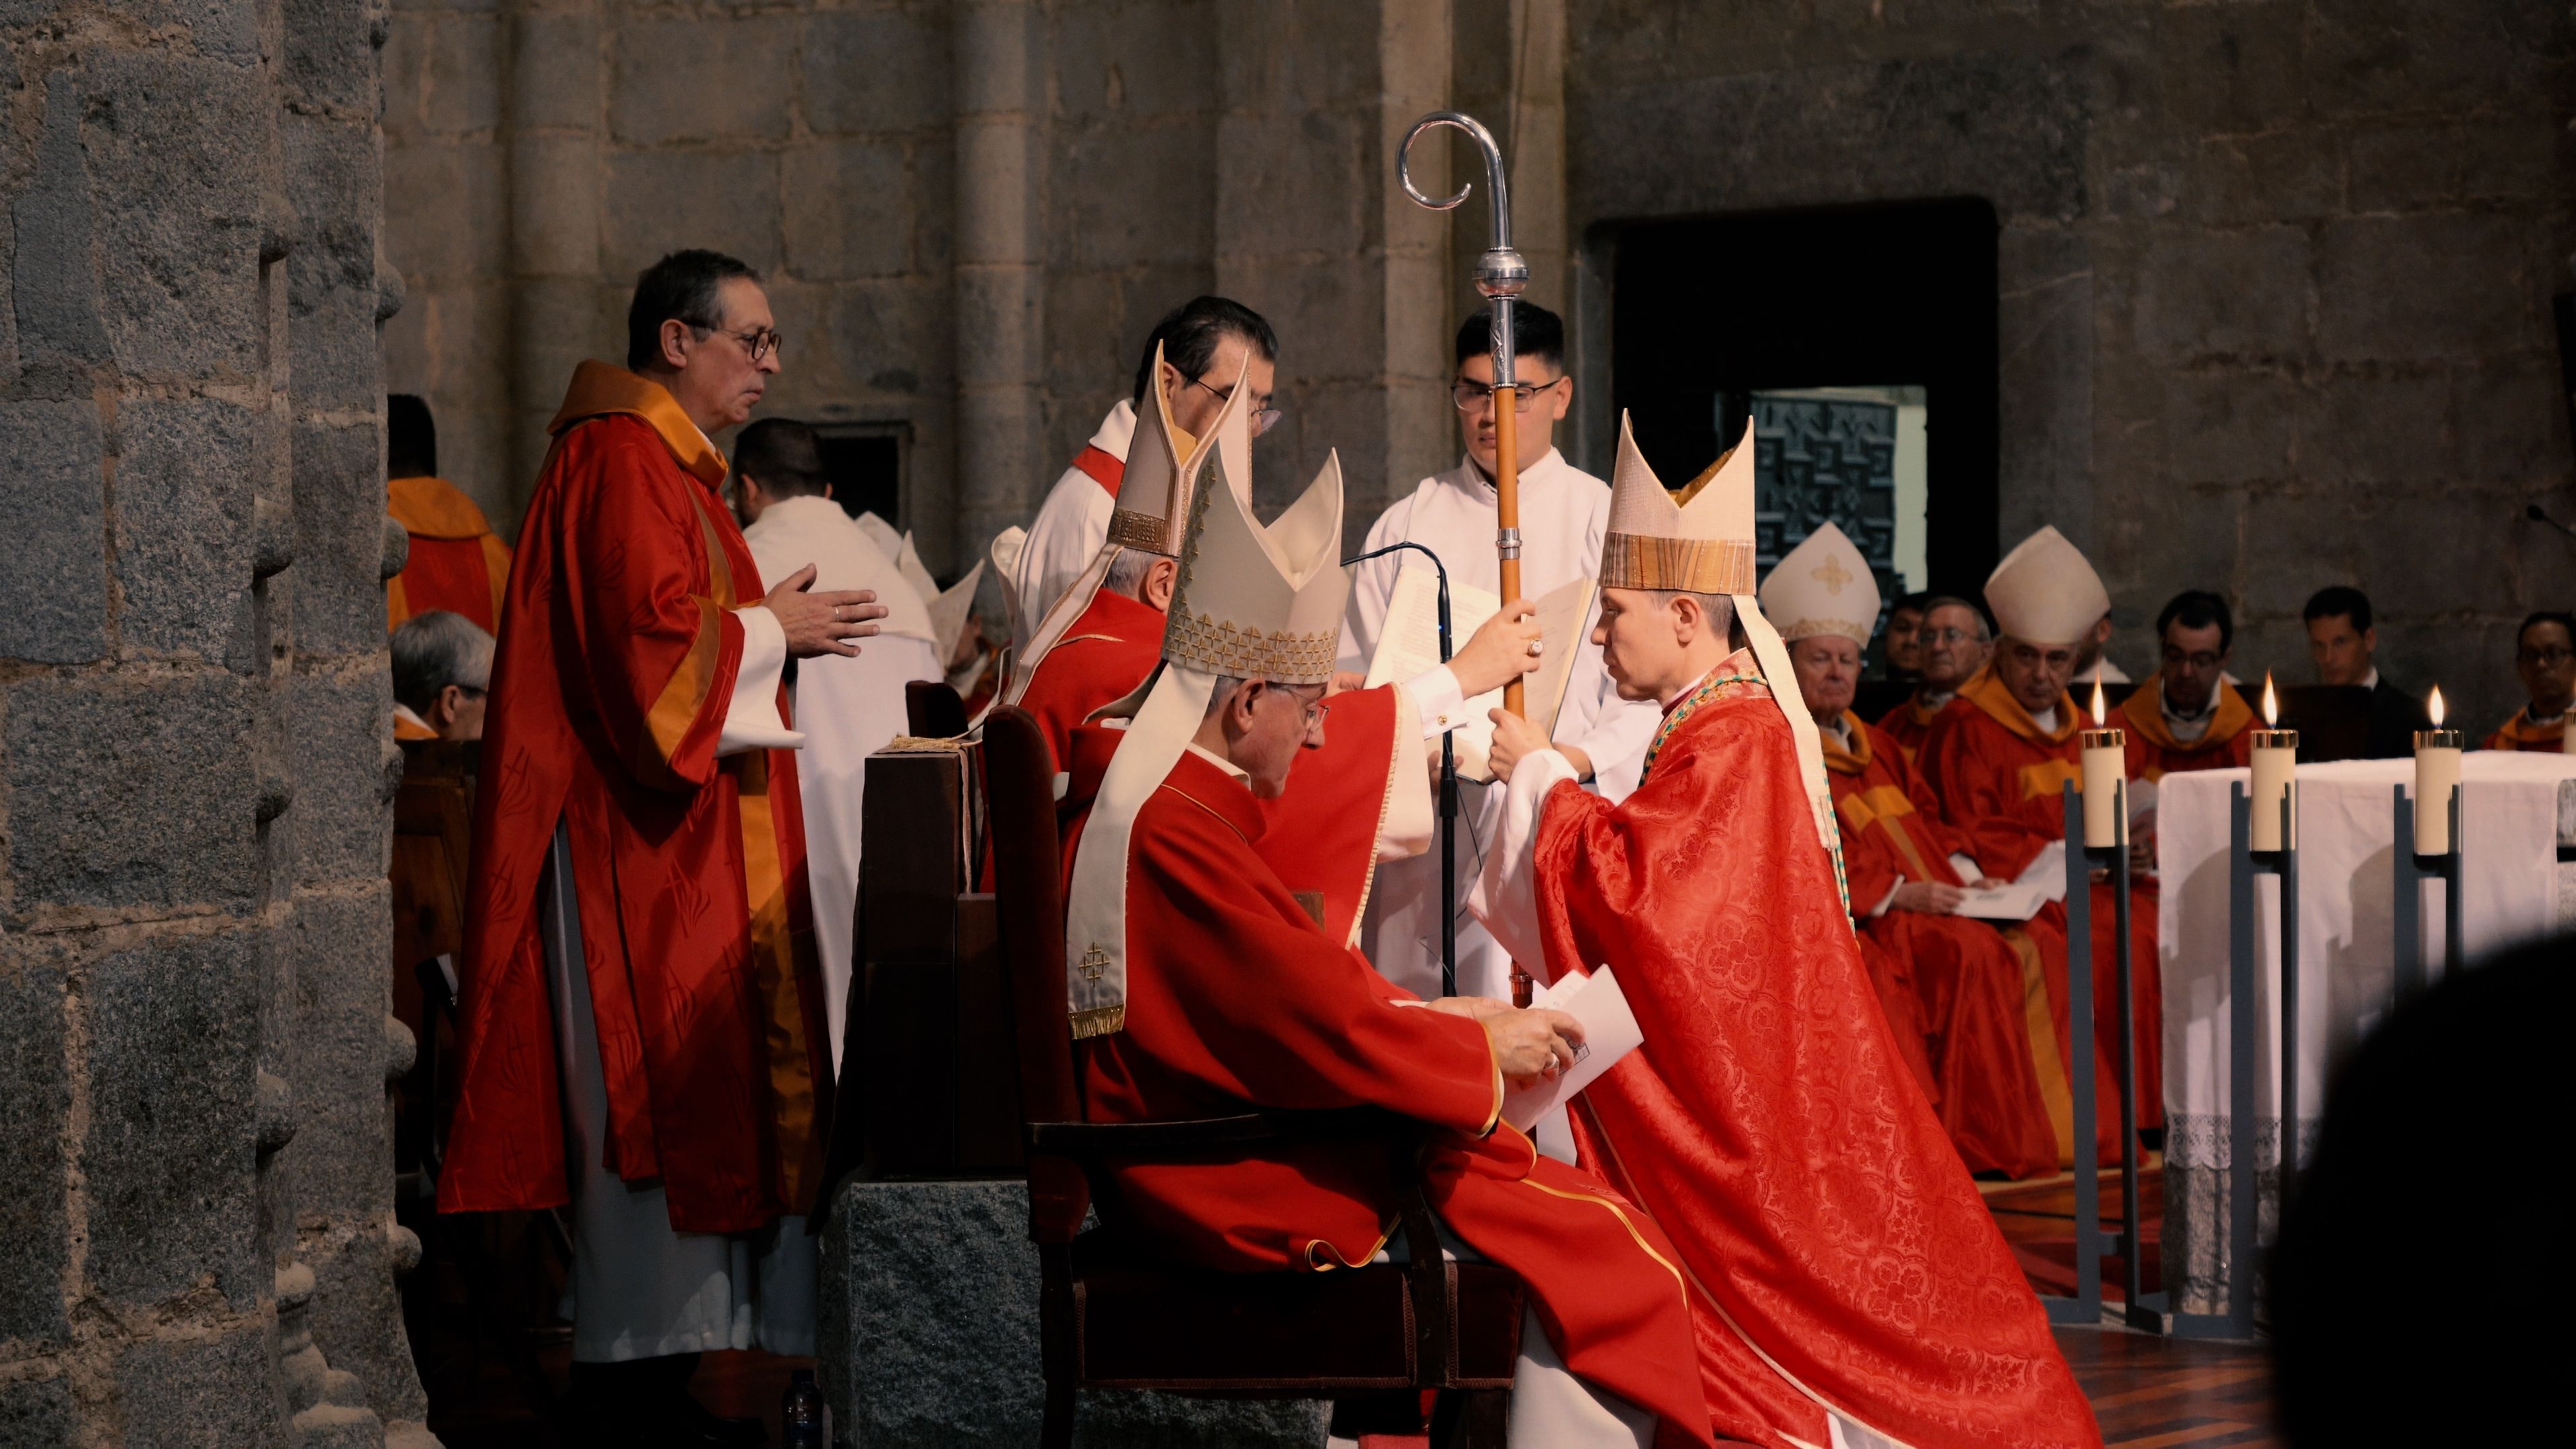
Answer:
(1769, 1121)
(1201, 985)
(1953, 986)
(1999, 758)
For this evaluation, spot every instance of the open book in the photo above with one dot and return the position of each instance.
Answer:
(1410, 644)
(1609, 1033)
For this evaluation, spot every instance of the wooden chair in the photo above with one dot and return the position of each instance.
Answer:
(1111, 1318)
(2333, 720)
(933, 711)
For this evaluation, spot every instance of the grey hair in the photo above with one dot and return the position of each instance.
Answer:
(435, 649)
(1223, 694)
(1985, 635)
(1127, 572)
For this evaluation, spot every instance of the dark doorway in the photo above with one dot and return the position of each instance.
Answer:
(865, 464)
(1706, 313)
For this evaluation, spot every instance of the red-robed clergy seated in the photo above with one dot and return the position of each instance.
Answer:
(456, 561)
(1102, 657)
(1840, 1254)
(2519, 733)
(1999, 778)
(608, 695)
(1237, 1000)
(2154, 752)
(1967, 976)
(1909, 723)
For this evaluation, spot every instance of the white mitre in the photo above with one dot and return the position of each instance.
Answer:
(1824, 586)
(949, 608)
(1700, 541)
(1252, 602)
(2046, 593)
(1164, 468)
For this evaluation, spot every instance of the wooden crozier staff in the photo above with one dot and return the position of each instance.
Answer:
(1501, 275)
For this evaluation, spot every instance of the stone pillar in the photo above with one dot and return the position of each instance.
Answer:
(1000, 314)
(554, 117)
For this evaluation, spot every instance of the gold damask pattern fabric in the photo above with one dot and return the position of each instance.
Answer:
(1131, 529)
(1225, 650)
(1692, 565)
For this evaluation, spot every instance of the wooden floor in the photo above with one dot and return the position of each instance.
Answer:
(2147, 1391)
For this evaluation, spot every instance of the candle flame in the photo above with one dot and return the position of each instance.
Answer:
(2271, 703)
(2097, 702)
(2434, 706)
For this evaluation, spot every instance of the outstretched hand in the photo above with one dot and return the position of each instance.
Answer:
(1500, 651)
(822, 623)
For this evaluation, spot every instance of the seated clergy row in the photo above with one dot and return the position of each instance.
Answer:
(1715, 1259)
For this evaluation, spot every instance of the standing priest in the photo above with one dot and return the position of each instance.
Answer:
(1853, 1287)
(1200, 986)
(642, 1021)
(1562, 514)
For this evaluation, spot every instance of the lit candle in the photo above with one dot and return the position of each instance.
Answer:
(2275, 753)
(2106, 769)
(2437, 778)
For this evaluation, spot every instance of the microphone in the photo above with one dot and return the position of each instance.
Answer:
(2537, 514)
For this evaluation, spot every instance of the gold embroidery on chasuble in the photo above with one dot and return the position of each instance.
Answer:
(2043, 779)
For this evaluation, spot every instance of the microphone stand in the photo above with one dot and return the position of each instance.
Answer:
(1448, 783)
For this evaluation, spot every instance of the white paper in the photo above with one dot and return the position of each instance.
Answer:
(2047, 871)
(1410, 645)
(1609, 1033)
(2016, 902)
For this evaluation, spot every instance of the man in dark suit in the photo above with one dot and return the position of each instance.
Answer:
(2343, 641)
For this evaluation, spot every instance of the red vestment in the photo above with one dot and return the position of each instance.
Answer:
(2154, 752)
(1842, 1256)
(456, 562)
(1966, 975)
(1910, 722)
(1105, 653)
(2519, 733)
(1236, 999)
(1999, 778)
(689, 869)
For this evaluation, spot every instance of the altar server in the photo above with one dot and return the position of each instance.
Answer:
(1768, 1122)
(1955, 984)
(1562, 512)
(1998, 759)
(1195, 357)
(642, 1020)
(1200, 986)
(2544, 659)
(2187, 716)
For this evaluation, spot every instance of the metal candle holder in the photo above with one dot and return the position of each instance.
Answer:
(2406, 910)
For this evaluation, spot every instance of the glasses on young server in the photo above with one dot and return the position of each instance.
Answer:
(1472, 396)
(1262, 419)
(2546, 658)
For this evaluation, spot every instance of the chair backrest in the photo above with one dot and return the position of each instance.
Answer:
(932, 710)
(1028, 886)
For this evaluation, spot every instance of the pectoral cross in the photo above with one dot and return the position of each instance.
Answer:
(1094, 964)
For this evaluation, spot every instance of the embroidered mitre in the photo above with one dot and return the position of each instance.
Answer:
(2045, 592)
(1823, 586)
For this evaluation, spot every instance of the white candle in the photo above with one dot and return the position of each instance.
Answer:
(2276, 752)
(2437, 778)
(2106, 769)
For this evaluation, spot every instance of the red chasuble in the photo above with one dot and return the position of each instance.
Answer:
(456, 562)
(1998, 776)
(1908, 723)
(1237, 999)
(1102, 657)
(1841, 1255)
(1966, 975)
(2519, 733)
(2154, 752)
(689, 869)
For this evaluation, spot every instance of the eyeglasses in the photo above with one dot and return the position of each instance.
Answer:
(1310, 707)
(760, 342)
(2544, 658)
(1469, 396)
(1262, 419)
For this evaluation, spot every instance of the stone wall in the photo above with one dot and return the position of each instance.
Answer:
(2276, 275)
(195, 761)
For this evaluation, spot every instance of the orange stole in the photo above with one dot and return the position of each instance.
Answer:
(456, 562)
(2519, 733)
(1909, 723)
(2154, 752)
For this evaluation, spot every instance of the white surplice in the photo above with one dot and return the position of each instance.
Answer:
(1564, 513)
(1070, 527)
(847, 708)
(639, 1289)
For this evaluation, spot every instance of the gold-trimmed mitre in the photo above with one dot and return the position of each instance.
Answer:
(2045, 592)
(1256, 602)
(1165, 464)
(1699, 540)
(1822, 587)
